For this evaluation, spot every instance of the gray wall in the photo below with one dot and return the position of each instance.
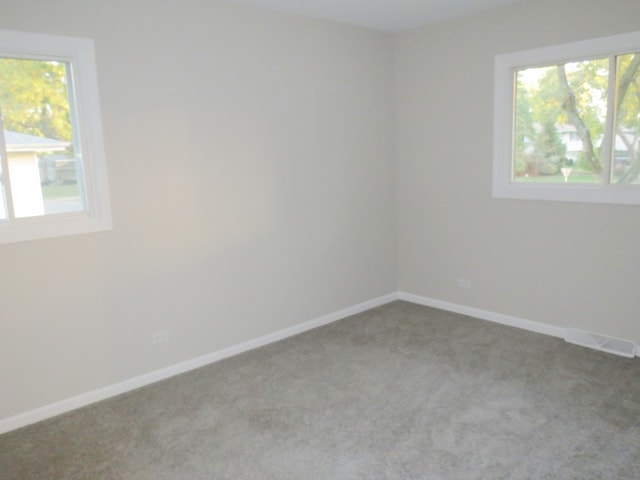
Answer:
(255, 186)
(250, 162)
(559, 263)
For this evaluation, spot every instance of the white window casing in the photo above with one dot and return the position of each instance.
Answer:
(506, 66)
(96, 216)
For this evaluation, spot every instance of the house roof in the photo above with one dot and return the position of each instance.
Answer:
(22, 142)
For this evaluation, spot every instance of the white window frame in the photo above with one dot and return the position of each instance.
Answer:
(79, 52)
(506, 66)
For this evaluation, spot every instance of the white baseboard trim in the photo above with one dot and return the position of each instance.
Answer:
(537, 327)
(509, 320)
(63, 406)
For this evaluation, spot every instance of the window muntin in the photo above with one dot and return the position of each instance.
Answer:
(51, 152)
(567, 122)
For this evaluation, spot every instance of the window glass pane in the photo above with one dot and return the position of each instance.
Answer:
(560, 122)
(3, 208)
(626, 148)
(42, 146)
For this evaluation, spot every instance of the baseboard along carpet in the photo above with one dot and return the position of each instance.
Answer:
(402, 391)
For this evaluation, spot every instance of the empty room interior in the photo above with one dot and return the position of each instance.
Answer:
(308, 268)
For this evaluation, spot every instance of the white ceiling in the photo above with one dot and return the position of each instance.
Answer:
(389, 15)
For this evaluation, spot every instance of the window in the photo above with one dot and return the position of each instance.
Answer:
(52, 168)
(567, 122)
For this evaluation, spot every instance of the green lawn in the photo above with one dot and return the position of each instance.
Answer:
(573, 178)
(54, 191)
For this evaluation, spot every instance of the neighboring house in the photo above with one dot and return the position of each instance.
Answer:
(569, 136)
(57, 168)
(627, 149)
(23, 157)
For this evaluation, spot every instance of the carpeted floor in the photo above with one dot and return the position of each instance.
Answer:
(399, 392)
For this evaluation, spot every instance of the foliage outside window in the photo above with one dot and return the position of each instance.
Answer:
(53, 177)
(567, 122)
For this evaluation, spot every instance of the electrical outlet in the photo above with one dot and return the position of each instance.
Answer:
(464, 283)
(160, 337)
